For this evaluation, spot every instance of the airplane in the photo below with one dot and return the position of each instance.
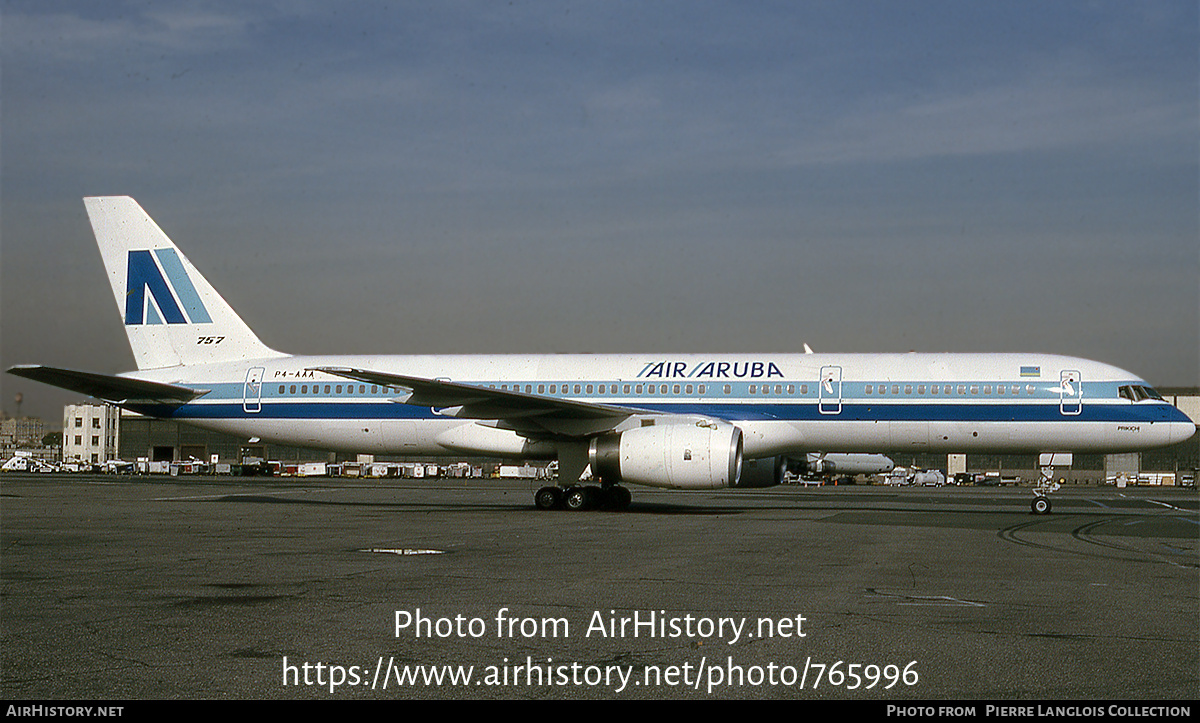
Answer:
(826, 467)
(677, 421)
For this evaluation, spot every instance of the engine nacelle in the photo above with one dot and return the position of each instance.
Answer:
(704, 455)
(765, 472)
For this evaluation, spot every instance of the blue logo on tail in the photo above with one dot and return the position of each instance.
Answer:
(144, 274)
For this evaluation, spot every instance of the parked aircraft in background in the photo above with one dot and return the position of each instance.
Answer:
(681, 421)
(824, 467)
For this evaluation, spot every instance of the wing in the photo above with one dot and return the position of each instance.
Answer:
(517, 410)
(109, 388)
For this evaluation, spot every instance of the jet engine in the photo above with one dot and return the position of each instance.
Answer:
(765, 472)
(703, 455)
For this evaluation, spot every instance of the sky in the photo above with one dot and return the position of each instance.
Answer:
(721, 177)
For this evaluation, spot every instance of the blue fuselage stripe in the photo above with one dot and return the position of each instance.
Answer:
(808, 411)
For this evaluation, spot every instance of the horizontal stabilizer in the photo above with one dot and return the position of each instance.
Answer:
(107, 387)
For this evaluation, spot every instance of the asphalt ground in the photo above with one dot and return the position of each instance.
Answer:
(220, 588)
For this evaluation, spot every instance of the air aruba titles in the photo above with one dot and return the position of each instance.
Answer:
(711, 370)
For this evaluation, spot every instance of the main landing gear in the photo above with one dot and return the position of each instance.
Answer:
(583, 497)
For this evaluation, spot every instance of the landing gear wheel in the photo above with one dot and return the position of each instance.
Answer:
(578, 498)
(1040, 506)
(548, 498)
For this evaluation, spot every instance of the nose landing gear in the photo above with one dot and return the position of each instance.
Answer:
(1046, 484)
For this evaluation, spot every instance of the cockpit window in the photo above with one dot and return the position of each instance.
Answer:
(1138, 393)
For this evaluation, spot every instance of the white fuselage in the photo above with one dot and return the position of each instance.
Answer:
(783, 404)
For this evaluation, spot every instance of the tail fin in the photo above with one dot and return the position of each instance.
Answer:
(172, 315)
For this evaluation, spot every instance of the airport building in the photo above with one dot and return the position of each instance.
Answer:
(165, 440)
(21, 431)
(91, 433)
(25, 434)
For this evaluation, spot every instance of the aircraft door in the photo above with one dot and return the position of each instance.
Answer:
(829, 391)
(1070, 392)
(252, 391)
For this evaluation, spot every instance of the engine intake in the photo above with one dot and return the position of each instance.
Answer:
(704, 455)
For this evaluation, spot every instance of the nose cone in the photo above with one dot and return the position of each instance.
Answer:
(1181, 426)
(1181, 431)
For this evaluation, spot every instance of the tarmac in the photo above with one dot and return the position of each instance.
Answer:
(231, 588)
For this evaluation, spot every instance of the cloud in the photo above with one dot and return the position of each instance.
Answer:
(93, 34)
(1047, 112)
